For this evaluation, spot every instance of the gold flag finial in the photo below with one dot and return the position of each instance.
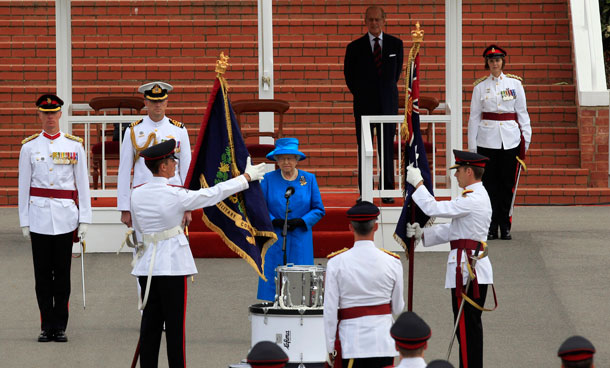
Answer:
(222, 63)
(418, 33)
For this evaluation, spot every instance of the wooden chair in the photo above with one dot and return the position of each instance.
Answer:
(101, 106)
(277, 106)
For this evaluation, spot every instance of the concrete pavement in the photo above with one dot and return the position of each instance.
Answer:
(551, 279)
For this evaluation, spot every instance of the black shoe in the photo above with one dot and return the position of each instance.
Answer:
(493, 232)
(505, 233)
(387, 200)
(45, 336)
(60, 336)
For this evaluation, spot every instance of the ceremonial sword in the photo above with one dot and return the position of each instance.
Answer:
(82, 267)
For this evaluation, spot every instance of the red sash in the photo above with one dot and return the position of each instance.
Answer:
(61, 194)
(355, 312)
(54, 193)
(505, 117)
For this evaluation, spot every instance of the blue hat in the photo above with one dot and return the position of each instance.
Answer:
(286, 146)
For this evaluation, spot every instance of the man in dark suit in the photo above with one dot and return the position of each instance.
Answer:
(372, 68)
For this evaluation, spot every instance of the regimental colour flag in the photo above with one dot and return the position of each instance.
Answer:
(414, 153)
(242, 220)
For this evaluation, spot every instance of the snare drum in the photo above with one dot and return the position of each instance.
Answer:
(299, 332)
(299, 286)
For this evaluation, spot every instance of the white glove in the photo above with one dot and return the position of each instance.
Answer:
(82, 230)
(413, 175)
(255, 172)
(26, 232)
(414, 230)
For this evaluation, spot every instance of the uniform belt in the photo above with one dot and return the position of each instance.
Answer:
(500, 117)
(355, 312)
(161, 235)
(53, 193)
(367, 310)
(153, 238)
(464, 244)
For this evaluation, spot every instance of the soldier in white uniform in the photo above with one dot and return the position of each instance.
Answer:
(470, 215)
(54, 201)
(154, 128)
(411, 334)
(165, 257)
(363, 288)
(499, 128)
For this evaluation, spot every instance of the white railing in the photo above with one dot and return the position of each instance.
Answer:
(588, 53)
(90, 124)
(367, 153)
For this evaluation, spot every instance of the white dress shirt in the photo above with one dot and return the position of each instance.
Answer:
(58, 163)
(470, 216)
(417, 362)
(164, 130)
(362, 276)
(158, 206)
(487, 96)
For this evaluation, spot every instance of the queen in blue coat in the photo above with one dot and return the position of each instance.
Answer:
(305, 206)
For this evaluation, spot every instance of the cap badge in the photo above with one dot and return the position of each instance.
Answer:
(156, 89)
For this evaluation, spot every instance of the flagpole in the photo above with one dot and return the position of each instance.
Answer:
(418, 37)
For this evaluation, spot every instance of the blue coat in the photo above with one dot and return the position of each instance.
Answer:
(305, 203)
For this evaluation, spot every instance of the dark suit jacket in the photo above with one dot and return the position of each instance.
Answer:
(374, 94)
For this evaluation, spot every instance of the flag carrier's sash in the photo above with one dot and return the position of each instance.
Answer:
(468, 246)
(350, 313)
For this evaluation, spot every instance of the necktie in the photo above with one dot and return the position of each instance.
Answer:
(377, 55)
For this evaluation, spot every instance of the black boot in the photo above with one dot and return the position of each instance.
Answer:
(505, 232)
(493, 231)
(45, 336)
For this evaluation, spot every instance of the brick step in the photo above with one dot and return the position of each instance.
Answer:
(554, 177)
(553, 158)
(562, 196)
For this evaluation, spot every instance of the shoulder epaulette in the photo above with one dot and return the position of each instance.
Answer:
(176, 123)
(26, 140)
(336, 253)
(480, 80)
(466, 191)
(136, 123)
(74, 138)
(514, 77)
(397, 256)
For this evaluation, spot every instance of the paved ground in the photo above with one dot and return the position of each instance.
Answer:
(552, 281)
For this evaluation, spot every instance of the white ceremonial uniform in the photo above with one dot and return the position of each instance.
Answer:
(470, 216)
(158, 206)
(362, 276)
(163, 130)
(417, 362)
(498, 95)
(53, 164)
